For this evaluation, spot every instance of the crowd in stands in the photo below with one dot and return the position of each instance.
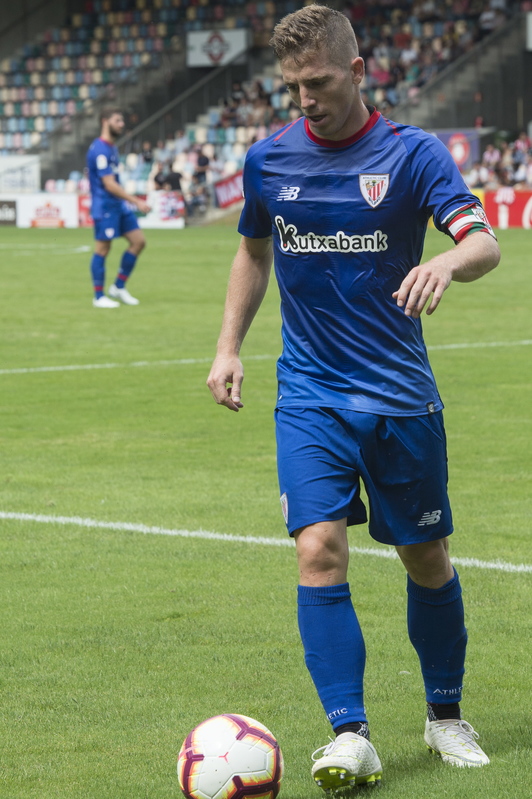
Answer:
(404, 43)
(508, 164)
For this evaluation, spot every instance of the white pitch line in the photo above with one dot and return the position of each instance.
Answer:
(128, 527)
(28, 247)
(481, 345)
(131, 364)
(188, 361)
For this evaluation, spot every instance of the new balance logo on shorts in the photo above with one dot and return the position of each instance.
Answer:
(430, 517)
(289, 193)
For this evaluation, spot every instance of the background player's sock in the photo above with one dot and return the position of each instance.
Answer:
(98, 274)
(437, 712)
(438, 634)
(334, 650)
(127, 264)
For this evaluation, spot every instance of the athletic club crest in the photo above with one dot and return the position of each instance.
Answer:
(374, 188)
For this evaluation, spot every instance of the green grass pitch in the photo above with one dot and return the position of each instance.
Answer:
(114, 643)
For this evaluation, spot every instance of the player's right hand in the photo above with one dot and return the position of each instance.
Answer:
(143, 207)
(225, 382)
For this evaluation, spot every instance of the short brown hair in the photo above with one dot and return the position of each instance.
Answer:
(311, 29)
(107, 113)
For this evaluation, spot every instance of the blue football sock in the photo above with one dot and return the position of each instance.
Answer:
(127, 264)
(98, 274)
(335, 653)
(438, 634)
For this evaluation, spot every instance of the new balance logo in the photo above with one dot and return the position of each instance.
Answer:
(430, 517)
(289, 193)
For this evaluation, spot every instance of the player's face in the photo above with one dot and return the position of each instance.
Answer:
(115, 125)
(327, 93)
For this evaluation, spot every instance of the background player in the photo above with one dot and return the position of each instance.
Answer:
(112, 218)
(341, 198)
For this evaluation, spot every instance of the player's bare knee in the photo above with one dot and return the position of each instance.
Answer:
(102, 248)
(322, 559)
(427, 564)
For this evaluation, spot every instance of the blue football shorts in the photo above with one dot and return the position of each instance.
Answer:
(323, 454)
(114, 225)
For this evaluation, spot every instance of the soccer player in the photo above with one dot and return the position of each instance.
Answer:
(112, 217)
(340, 199)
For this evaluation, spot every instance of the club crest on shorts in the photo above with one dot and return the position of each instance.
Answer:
(109, 232)
(374, 188)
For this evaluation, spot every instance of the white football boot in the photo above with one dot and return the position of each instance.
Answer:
(348, 761)
(123, 295)
(454, 740)
(104, 302)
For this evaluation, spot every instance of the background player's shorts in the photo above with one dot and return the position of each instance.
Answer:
(112, 226)
(323, 453)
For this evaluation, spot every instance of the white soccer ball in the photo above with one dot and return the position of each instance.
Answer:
(230, 757)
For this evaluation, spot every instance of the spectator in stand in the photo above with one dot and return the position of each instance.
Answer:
(181, 143)
(162, 153)
(147, 152)
(500, 177)
(216, 168)
(244, 111)
(491, 157)
(197, 198)
(230, 112)
(521, 147)
(478, 176)
(237, 92)
(159, 176)
(172, 181)
(507, 156)
(523, 173)
(202, 165)
(487, 22)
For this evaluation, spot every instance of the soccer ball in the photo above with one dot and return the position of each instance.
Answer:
(230, 757)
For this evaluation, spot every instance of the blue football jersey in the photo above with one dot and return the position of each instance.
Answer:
(102, 159)
(348, 221)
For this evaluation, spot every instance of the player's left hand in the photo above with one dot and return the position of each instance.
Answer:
(421, 282)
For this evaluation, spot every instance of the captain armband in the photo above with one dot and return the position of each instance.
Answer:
(468, 219)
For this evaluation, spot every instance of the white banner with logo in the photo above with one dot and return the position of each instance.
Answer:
(45, 210)
(215, 48)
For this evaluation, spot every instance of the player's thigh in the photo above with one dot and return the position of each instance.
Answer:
(316, 461)
(405, 476)
(131, 230)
